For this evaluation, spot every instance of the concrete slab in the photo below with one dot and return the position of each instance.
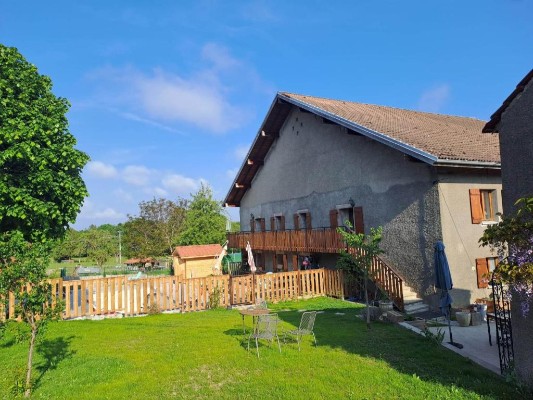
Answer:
(475, 341)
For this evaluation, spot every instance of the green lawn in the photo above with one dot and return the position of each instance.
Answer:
(203, 356)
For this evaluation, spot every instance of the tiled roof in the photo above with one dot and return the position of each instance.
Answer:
(436, 139)
(443, 136)
(204, 250)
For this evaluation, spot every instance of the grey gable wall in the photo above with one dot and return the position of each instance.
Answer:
(516, 147)
(318, 166)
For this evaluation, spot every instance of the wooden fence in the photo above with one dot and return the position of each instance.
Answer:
(120, 295)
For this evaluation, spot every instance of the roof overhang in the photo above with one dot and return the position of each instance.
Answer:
(493, 125)
(269, 132)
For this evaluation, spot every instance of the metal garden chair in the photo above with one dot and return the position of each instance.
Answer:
(306, 327)
(266, 327)
(261, 304)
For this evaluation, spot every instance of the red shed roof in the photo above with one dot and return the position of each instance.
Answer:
(203, 250)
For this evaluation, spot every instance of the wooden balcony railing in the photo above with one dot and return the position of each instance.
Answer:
(320, 240)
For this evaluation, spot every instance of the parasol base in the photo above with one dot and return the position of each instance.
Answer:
(458, 345)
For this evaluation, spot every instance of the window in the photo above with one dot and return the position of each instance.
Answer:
(347, 212)
(484, 268)
(277, 222)
(302, 220)
(258, 224)
(483, 205)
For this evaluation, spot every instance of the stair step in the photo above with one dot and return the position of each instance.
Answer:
(413, 307)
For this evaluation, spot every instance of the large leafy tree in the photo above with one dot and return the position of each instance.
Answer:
(205, 222)
(99, 244)
(41, 189)
(156, 230)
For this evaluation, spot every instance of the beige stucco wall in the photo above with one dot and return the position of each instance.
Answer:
(194, 267)
(460, 235)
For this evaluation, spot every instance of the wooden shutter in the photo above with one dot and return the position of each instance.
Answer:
(282, 223)
(333, 218)
(285, 263)
(482, 269)
(358, 220)
(475, 206)
(296, 222)
(252, 225)
(262, 223)
(295, 266)
(272, 223)
(308, 221)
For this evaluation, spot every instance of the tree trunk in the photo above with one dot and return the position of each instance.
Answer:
(366, 302)
(34, 329)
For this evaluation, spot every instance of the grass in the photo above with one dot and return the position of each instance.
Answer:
(203, 356)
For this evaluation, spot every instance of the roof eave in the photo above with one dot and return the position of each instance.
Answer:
(377, 136)
(467, 164)
(234, 183)
(493, 125)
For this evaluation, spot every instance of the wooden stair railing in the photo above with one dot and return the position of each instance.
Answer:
(387, 280)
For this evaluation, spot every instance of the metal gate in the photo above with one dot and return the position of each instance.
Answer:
(504, 330)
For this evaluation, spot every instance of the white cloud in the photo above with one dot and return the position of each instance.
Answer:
(123, 195)
(91, 212)
(241, 152)
(108, 213)
(180, 184)
(199, 101)
(156, 192)
(219, 56)
(134, 117)
(231, 173)
(213, 96)
(432, 100)
(137, 175)
(101, 170)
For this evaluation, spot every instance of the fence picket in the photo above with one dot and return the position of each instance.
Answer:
(100, 296)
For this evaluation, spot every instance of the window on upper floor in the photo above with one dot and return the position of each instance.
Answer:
(277, 222)
(343, 213)
(483, 205)
(302, 220)
(257, 224)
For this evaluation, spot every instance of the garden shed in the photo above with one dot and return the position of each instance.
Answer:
(196, 261)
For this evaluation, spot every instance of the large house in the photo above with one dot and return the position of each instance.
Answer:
(423, 177)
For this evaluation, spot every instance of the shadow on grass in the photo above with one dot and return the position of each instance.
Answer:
(53, 351)
(402, 350)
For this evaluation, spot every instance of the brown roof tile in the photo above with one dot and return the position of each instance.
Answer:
(443, 136)
(204, 250)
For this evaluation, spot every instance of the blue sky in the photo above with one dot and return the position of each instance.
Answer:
(167, 94)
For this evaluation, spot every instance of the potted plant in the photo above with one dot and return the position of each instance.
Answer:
(463, 317)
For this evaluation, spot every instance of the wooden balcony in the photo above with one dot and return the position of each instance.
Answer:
(321, 240)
